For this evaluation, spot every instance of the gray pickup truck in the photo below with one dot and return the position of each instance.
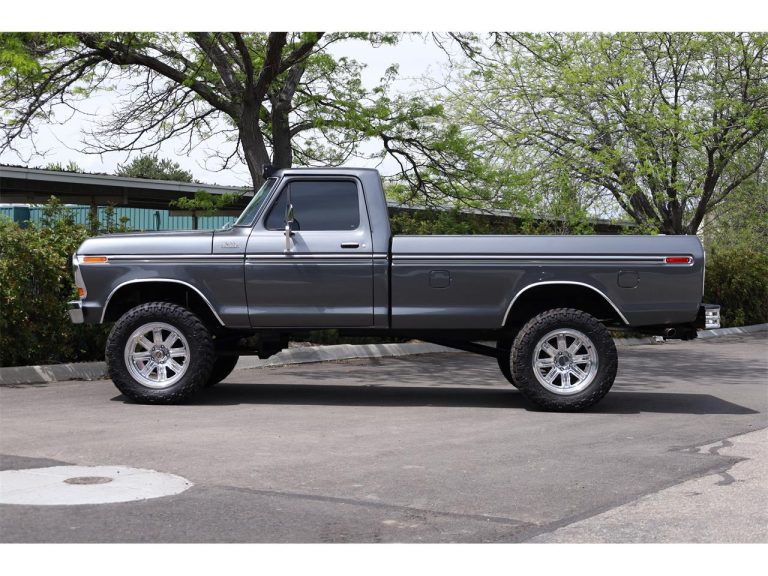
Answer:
(313, 250)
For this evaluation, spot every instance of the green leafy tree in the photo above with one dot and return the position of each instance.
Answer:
(668, 125)
(71, 166)
(155, 168)
(260, 98)
(741, 221)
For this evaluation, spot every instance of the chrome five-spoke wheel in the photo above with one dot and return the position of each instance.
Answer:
(157, 355)
(565, 361)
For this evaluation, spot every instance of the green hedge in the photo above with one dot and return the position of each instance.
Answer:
(35, 284)
(737, 279)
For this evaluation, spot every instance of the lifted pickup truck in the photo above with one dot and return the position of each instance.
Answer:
(313, 250)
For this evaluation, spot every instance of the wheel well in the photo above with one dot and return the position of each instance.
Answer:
(540, 298)
(132, 295)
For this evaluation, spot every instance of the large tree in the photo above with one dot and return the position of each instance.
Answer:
(668, 124)
(264, 99)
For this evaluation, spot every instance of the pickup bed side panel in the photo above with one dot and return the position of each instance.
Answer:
(445, 282)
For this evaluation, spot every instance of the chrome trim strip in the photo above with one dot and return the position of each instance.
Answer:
(139, 280)
(656, 259)
(156, 257)
(180, 261)
(238, 257)
(509, 308)
(308, 261)
(308, 256)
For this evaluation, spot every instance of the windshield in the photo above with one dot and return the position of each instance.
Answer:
(246, 218)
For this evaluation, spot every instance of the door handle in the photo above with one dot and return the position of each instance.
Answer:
(350, 245)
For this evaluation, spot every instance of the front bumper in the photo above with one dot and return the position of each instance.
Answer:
(75, 309)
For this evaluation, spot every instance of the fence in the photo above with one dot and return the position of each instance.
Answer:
(147, 219)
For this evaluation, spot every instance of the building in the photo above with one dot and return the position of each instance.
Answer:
(145, 202)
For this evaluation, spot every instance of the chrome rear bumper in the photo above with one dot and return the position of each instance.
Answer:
(708, 317)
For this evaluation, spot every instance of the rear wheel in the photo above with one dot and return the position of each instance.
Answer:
(503, 356)
(159, 353)
(222, 368)
(564, 360)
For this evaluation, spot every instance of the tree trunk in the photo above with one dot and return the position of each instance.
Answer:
(281, 139)
(254, 147)
(281, 109)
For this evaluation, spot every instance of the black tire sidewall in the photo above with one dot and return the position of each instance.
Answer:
(222, 368)
(201, 353)
(525, 344)
(504, 357)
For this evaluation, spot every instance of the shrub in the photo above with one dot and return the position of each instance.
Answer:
(35, 284)
(737, 279)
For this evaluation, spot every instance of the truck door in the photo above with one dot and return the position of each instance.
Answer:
(324, 277)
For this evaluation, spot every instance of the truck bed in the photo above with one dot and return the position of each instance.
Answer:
(439, 282)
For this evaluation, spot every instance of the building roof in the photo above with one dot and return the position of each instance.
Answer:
(35, 186)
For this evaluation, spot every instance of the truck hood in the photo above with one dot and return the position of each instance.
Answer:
(175, 242)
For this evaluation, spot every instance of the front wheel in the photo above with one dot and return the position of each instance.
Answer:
(159, 353)
(564, 360)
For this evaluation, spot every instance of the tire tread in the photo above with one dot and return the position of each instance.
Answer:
(202, 353)
(525, 342)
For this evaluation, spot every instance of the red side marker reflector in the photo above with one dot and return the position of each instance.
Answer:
(678, 259)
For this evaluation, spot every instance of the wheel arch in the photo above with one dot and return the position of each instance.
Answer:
(540, 296)
(139, 291)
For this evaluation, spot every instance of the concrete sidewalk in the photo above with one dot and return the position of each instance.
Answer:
(16, 375)
(729, 506)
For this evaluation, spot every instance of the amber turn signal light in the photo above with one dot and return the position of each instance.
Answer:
(94, 259)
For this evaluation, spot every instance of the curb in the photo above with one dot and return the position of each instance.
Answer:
(702, 335)
(18, 375)
(52, 373)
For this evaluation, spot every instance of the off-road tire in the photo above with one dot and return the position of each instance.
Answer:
(503, 356)
(529, 337)
(201, 353)
(222, 367)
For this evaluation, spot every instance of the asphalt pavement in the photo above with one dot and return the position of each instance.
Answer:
(428, 448)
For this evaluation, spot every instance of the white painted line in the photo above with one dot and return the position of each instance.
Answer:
(47, 486)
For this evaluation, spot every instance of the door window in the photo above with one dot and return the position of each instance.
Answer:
(326, 205)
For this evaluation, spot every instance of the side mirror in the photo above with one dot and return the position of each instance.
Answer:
(288, 225)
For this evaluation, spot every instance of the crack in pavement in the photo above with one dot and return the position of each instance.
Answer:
(378, 505)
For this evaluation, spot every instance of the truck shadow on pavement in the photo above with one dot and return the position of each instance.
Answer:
(616, 402)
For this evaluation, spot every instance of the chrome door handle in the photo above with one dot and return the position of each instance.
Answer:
(350, 245)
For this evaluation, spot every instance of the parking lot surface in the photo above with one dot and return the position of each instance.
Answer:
(430, 448)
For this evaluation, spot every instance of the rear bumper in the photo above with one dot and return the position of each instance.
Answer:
(708, 316)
